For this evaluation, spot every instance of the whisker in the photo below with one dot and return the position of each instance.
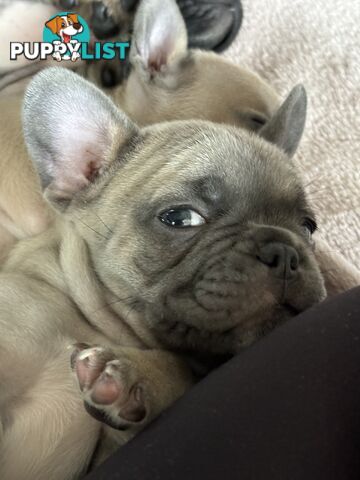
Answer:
(91, 228)
(102, 221)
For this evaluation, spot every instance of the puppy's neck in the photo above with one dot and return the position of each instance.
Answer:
(60, 257)
(101, 307)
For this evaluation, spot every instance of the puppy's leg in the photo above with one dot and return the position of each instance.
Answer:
(45, 433)
(125, 389)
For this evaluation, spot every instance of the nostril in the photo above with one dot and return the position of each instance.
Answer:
(269, 259)
(271, 255)
(282, 259)
(275, 261)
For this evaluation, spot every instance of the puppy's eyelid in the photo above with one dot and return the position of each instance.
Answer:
(254, 119)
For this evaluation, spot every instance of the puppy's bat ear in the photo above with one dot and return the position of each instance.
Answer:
(285, 128)
(71, 131)
(159, 39)
(52, 24)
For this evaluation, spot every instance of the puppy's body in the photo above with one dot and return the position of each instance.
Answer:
(184, 236)
(23, 212)
(132, 268)
(41, 409)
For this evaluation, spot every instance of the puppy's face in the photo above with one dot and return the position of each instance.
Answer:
(169, 81)
(215, 245)
(109, 20)
(204, 230)
(206, 87)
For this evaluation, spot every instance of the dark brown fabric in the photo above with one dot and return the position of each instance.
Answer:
(286, 408)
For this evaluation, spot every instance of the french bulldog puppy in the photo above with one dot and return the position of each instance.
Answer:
(176, 238)
(168, 82)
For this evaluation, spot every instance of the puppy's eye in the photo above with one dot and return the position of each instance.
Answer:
(309, 226)
(181, 218)
(63, 24)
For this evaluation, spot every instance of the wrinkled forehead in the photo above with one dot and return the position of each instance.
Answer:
(228, 167)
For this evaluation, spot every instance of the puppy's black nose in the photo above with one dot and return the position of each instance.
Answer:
(77, 26)
(282, 259)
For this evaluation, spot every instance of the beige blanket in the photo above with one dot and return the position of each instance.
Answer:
(316, 43)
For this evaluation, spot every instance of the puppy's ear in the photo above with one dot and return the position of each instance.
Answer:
(72, 131)
(285, 128)
(52, 24)
(159, 40)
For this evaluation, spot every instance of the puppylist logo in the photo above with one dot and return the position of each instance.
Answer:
(66, 36)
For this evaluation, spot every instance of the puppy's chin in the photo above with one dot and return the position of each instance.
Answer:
(182, 334)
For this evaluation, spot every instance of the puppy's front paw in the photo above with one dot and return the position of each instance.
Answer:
(110, 386)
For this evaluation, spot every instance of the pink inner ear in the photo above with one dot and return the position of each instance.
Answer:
(91, 170)
(71, 180)
(82, 153)
(161, 49)
(157, 60)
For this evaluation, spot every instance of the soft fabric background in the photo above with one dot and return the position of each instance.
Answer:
(316, 43)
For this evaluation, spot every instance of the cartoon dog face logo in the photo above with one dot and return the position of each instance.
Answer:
(65, 26)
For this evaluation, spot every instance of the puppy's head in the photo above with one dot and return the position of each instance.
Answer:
(169, 81)
(203, 229)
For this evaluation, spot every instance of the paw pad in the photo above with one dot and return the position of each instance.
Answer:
(107, 385)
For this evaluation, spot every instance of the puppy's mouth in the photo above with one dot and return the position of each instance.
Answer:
(66, 38)
(182, 333)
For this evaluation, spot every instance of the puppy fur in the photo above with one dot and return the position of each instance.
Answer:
(111, 290)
